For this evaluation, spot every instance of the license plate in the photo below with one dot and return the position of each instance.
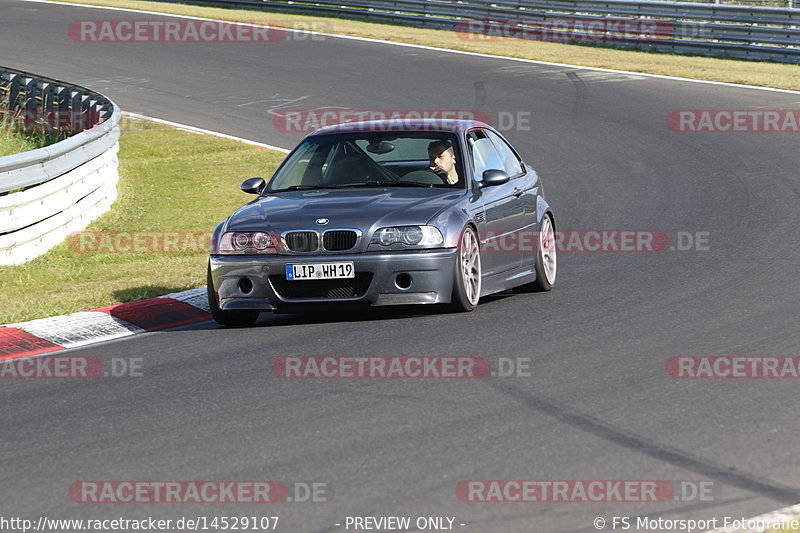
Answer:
(320, 271)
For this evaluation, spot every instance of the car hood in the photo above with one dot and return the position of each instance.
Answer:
(364, 209)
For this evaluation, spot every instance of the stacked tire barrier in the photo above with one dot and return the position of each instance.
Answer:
(743, 32)
(50, 192)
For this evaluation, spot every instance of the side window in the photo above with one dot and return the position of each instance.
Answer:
(511, 163)
(303, 167)
(484, 154)
(294, 176)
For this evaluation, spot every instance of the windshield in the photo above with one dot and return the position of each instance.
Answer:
(424, 159)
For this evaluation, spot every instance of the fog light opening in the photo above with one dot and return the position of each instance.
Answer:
(403, 281)
(245, 285)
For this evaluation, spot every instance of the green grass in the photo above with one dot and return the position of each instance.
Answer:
(170, 180)
(14, 143)
(18, 136)
(762, 73)
(178, 181)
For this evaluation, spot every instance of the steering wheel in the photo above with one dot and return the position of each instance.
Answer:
(426, 175)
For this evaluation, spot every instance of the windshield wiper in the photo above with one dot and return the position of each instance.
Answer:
(371, 183)
(301, 188)
(391, 184)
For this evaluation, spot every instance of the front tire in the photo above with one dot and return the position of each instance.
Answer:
(467, 275)
(228, 318)
(546, 262)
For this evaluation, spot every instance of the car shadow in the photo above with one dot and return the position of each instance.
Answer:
(352, 314)
(147, 291)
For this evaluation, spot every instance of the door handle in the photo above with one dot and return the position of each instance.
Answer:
(518, 192)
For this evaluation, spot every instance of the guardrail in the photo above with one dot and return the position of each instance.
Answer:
(50, 192)
(746, 32)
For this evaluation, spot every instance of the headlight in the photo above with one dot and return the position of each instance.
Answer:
(246, 242)
(411, 235)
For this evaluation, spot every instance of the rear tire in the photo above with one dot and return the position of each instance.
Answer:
(467, 275)
(545, 263)
(228, 318)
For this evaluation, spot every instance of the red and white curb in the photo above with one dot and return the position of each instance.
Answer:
(106, 323)
(115, 321)
(78, 329)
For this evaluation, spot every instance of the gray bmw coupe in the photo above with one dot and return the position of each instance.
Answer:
(385, 213)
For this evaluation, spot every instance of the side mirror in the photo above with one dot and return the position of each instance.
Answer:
(494, 177)
(253, 185)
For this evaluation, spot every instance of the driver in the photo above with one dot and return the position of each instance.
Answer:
(443, 161)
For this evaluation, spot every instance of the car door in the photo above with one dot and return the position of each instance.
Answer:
(503, 208)
(525, 181)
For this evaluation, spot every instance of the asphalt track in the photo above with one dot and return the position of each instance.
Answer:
(598, 403)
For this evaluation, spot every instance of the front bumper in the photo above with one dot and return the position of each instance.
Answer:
(396, 278)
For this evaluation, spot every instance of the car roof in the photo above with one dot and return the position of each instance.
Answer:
(401, 125)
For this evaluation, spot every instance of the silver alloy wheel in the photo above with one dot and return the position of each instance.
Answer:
(471, 266)
(547, 249)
